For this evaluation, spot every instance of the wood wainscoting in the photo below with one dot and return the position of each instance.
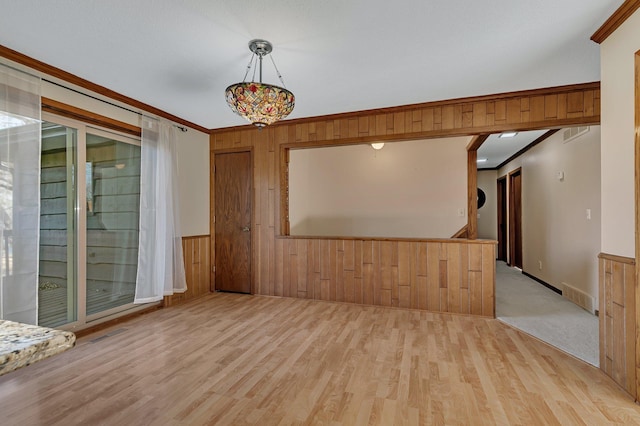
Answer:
(618, 320)
(197, 267)
(454, 276)
(536, 109)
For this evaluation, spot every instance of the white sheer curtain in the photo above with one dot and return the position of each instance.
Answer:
(160, 261)
(19, 195)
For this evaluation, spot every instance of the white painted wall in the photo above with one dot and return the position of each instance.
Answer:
(407, 189)
(488, 214)
(555, 228)
(617, 57)
(193, 169)
(193, 157)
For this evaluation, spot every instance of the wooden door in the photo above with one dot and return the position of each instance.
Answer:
(515, 218)
(232, 221)
(502, 219)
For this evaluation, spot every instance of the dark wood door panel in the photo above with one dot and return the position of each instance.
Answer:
(233, 211)
(502, 219)
(515, 218)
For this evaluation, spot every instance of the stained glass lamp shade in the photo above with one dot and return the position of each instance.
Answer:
(259, 103)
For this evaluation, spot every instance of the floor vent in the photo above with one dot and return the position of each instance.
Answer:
(573, 133)
(104, 336)
(579, 297)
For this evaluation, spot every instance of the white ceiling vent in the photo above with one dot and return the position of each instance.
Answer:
(573, 133)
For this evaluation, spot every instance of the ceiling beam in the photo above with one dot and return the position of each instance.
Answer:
(543, 109)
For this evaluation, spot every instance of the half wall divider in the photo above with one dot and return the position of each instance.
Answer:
(439, 275)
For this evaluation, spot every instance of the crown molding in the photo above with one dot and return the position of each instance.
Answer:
(60, 74)
(619, 16)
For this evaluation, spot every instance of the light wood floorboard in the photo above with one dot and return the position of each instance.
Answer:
(238, 359)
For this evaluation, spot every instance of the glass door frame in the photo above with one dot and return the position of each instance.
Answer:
(80, 215)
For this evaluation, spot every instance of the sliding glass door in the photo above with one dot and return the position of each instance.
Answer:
(57, 289)
(113, 210)
(90, 203)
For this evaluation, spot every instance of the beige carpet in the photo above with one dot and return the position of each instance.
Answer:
(529, 306)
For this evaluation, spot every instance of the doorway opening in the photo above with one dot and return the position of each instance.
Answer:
(502, 218)
(515, 218)
(546, 220)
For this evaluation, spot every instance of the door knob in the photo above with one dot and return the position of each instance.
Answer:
(245, 229)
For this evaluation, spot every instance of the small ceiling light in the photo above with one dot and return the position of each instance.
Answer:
(260, 103)
(481, 160)
(377, 146)
(508, 134)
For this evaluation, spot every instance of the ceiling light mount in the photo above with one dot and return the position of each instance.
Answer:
(260, 47)
(260, 103)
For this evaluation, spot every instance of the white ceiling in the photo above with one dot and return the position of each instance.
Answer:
(335, 55)
(496, 149)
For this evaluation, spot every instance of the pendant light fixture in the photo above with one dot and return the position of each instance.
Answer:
(259, 103)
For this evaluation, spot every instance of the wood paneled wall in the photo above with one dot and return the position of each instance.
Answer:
(197, 267)
(618, 320)
(455, 276)
(536, 109)
(527, 110)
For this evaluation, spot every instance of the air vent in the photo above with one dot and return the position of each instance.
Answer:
(573, 133)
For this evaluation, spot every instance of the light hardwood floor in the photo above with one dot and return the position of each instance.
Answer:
(237, 359)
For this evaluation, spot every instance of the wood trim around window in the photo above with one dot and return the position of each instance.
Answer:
(68, 111)
(60, 74)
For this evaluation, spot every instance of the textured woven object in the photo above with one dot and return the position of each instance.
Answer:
(260, 104)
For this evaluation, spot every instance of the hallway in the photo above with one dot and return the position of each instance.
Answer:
(529, 306)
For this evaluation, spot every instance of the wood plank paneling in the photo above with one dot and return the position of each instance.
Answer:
(617, 320)
(459, 276)
(197, 267)
(381, 269)
(526, 110)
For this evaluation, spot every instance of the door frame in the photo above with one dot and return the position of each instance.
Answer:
(637, 211)
(503, 210)
(511, 216)
(84, 127)
(212, 210)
